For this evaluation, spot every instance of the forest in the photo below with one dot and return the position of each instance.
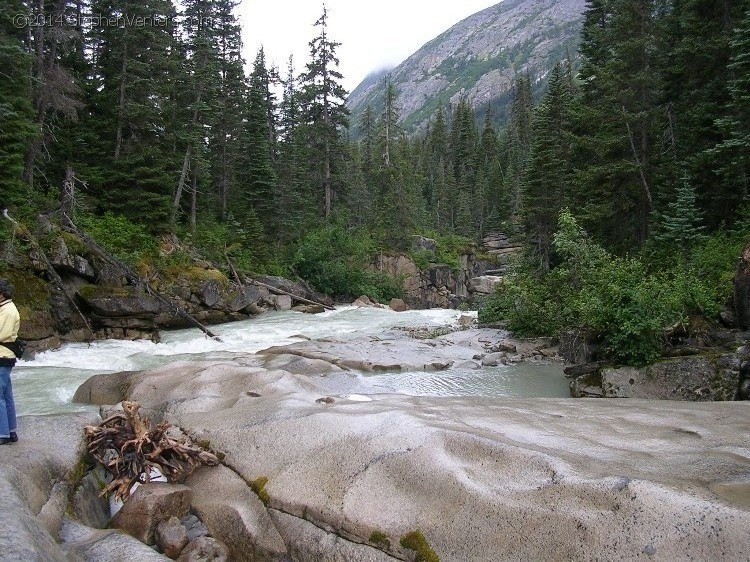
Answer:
(627, 182)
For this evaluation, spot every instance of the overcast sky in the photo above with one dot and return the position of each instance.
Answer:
(373, 35)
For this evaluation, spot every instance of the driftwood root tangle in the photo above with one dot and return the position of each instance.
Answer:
(129, 448)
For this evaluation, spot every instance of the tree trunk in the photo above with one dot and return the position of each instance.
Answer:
(67, 198)
(121, 104)
(38, 80)
(194, 200)
(180, 185)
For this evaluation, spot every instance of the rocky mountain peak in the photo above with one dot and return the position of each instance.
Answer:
(478, 59)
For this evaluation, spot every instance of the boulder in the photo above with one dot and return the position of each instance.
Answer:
(119, 301)
(64, 261)
(695, 378)
(88, 505)
(210, 293)
(203, 549)
(398, 305)
(35, 484)
(577, 347)
(585, 479)
(494, 359)
(148, 506)
(171, 537)
(364, 301)
(588, 385)
(283, 302)
(420, 243)
(99, 545)
(485, 284)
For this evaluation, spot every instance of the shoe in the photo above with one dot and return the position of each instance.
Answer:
(5, 441)
(13, 436)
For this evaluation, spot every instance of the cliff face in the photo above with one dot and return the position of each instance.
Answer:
(477, 59)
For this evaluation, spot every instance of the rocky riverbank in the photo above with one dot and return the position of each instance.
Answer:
(312, 470)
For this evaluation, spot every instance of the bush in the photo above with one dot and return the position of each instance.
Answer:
(245, 243)
(128, 241)
(624, 301)
(334, 260)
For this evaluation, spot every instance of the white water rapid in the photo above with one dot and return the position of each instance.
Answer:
(47, 383)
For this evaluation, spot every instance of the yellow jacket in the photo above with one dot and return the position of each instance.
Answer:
(10, 321)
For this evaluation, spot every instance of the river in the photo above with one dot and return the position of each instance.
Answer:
(47, 383)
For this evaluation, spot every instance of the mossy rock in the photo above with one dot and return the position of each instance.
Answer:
(198, 275)
(75, 245)
(89, 292)
(31, 292)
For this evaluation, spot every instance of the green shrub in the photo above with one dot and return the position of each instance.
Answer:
(244, 244)
(128, 241)
(334, 259)
(628, 301)
(450, 248)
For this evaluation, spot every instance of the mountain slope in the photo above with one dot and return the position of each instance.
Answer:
(478, 58)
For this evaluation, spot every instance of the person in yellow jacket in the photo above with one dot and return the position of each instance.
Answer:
(9, 324)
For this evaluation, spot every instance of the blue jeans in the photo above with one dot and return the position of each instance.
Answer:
(7, 405)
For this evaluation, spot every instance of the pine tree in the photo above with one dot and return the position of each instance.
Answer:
(696, 47)
(17, 128)
(680, 224)
(488, 191)
(735, 125)
(397, 194)
(293, 188)
(55, 94)
(617, 121)
(200, 90)
(436, 149)
(325, 115)
(515, 145)
(134, 72)
(259, 177)
(547, 174)
(227, 130)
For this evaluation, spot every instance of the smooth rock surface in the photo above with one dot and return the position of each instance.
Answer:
(97, 545)
(483, 479)
(34, 478)
(234, 515)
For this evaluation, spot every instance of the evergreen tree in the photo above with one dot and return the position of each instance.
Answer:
(226, 142)
(397, 194)
(200, 81)
(293, 188)
(134, 72)
(367, 144)
(259, 178)
(680, 225)
(617, 121)
(436, 148)
(516, 145)
(16, 113)
(488, 190)
(325, 115)
(695, 53)
(735, 125)
(547, 174)
(55, 94)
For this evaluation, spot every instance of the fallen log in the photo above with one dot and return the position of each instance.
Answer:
(294, 297)
(136, 280)
(51, 271)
